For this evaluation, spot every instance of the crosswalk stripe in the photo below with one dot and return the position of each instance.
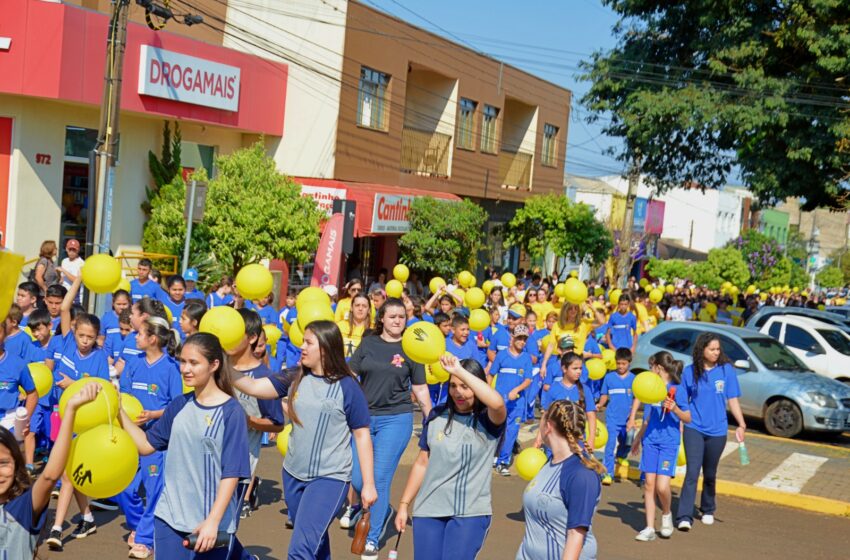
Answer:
(793, 473)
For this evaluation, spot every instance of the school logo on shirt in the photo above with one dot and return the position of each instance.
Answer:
(5, 386)
(153, 389)
(208, 420)
(398, 360)
(719, 385)
(665, 465)
(153, 470)
(441, 435)
(521, 371)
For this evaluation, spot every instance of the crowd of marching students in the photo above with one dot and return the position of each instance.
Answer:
(350, 394)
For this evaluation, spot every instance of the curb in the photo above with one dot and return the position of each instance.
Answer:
(805, 502)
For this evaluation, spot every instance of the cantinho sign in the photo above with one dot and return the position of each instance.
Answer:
(188, 79)
(390, 213)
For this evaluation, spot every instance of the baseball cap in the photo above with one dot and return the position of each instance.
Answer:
(72, 243)
(191, 275)
(520, 330)
(566, 343)
(517, 311)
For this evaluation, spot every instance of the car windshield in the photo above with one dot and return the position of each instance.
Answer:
(774, 355)
(837, 340)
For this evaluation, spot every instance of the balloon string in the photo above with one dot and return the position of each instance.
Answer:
(109, 417)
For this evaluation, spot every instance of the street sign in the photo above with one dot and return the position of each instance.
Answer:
(196, 198)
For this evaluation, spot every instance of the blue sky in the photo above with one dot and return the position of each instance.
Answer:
(545, 37)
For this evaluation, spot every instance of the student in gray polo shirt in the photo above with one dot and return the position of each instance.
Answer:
(451, 476)
(205, 434)
(327, 407)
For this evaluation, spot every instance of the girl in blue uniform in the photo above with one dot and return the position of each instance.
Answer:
(80, 357)
(205, 433)
(710, 383)
(571, 388)
(175, 300)
(222, 294)
(328, 409)
(451, 476)
(155, 381)
(660, 436)
(190, 320)
(139, 312)
(23, 503)
(560, 501)
(109, 320)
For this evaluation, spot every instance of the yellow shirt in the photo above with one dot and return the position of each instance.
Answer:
(579, 335)
(642, 317)
(542, 310)
(343, 307)
(350, 337)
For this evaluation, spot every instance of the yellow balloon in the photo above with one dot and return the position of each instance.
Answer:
(169, 315)
(529, 462)
(42, 377)
(574, 273)
(614, 296)
(423, 342)
(670, 288)
(575, 291)
(131, 406)
(283, 439)
(296, 335)
(10, 269)
(102, 410)
(474, 298)
(681, 459)
(315, 311)
(711, 307)
(435, 284)
(649, 388)
(763, 296)
(437, 372)
(643, 282)
(655, 295)
(312, 293)
(187, 389)
(725, 285)
(751, 289)
(102, 462)
(610, 359)
(596, 368)
(466, 279)
(560, 290)
(123, 284)
(487, 286)
(598, 291)
(101, 273)
(601, 435)
(254, 281)
(821, 307)
(401, 273)
(508, 280)
(273, 334)
(479, 320)
(394, 288)
(225, 323)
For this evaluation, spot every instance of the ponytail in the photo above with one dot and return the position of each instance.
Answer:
(166, 337)
(569, 420)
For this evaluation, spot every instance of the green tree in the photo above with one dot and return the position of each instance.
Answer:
(669, 269)
(830, 277)
(799, 276)
(779, 275)
(166, 167)
(722, 265)
(795, 246)
(570, 230)
(445, 236)
(761, 253)
(165, 230)
(696, 87)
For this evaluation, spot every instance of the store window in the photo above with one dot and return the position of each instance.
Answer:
(372, 103)
(550, 145)
(489, 143)
(79, 142)
(466, 124)
(196, 156)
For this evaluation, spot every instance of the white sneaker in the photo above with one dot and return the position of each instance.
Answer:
(348, 519)
(684, 525)
(667, 525)
(707, 519)
(646, 535)
(370, 553)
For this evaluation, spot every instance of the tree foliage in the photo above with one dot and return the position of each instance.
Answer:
(568, 229)
(695, 87)
(669, 269)
(761, 253)
(722, 265)
(779, 275)
(166, 167)
(830, 277)
(799, 276)
(445, 236)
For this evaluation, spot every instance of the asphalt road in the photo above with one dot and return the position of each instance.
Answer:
(743, 529)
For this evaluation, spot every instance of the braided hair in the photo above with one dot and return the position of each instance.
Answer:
(569, 419)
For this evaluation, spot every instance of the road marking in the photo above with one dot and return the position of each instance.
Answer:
(793, 473)
(728, 449)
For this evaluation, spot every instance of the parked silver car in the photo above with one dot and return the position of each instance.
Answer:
(760, 317)
(776, 387)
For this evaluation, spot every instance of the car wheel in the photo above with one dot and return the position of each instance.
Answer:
(783, 419)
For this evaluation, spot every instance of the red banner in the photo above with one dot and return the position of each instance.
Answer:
(329, 254)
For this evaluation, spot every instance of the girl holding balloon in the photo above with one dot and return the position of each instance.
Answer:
(559, 503)
(155, 381)
(24, 503)
(451, 476)
(660, 437)
(205, 434)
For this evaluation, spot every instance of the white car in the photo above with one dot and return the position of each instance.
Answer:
(824, 348)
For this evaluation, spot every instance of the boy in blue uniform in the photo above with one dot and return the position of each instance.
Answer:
(18, 343)
(500, 339)
(143, 286)
(514, 370)
(27, 298)
(14, 374)
(192, 291)
(616, 400)
(622, 326)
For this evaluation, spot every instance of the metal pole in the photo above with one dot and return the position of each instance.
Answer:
(189, 228)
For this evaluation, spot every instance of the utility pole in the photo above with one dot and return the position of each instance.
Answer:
(628, 223)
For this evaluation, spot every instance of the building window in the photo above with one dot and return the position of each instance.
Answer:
(550, 145)
(466, 124)
(488, 130)
(372, 103)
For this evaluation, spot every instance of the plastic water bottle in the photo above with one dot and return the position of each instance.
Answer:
(55, 422)
(630, 437)
(221, 539)
(743, 455)
(21, 419)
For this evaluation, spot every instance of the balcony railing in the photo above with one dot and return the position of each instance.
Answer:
(515, 169)
(425, 153)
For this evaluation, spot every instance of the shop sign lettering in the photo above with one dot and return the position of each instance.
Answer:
(390, 213)
(188, 79)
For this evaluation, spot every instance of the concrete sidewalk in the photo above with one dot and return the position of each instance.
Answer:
(805, 475)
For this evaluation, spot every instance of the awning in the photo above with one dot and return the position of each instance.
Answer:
(381, 209)
(668, 249)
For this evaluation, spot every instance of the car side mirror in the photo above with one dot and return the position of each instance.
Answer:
(742, 364)
(816, 349)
